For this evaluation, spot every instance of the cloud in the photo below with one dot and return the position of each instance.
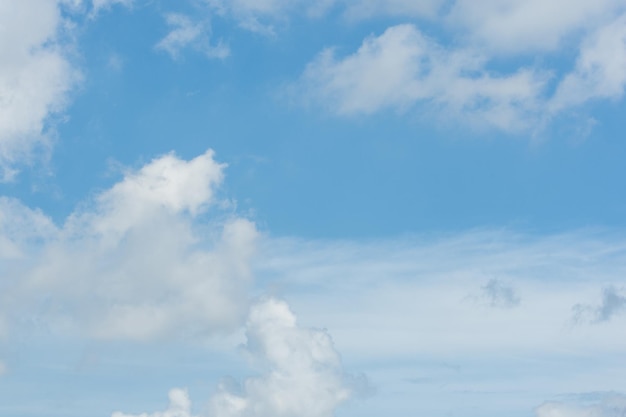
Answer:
(600, 68)
(185, 33)
(303, 374)
(612, 304)
(180, 406)
(399, 288)
(361, 9)
(402, 69)
(523, 26)
(500, 294)
(142, 260)
(36, 79)
(611, 406)
(99, 5)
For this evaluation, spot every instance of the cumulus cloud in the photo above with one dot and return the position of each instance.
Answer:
(402, 68)
(35, 79)
(186, 33)
(304, 377)
(613, 303)
(303, 373)
(611, 406)
(143, 260)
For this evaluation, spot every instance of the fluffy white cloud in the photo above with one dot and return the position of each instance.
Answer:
(141, 261)
(36, 77)
(185, 33)
(600, 71)
(611, 406)
(402, 68)
(303, 377)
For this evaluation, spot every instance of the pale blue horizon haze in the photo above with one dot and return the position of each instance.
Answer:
(282, 208)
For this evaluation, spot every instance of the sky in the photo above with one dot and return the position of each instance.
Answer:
(323, 208)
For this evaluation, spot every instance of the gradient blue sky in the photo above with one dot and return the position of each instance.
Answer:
(434, 188)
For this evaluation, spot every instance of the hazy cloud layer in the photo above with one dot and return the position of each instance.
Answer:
(435, 296)
(500, 294)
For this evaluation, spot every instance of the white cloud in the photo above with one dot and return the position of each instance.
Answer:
(303, 377)
(514, 26)
(186, 33)
(35, 78)
(141, 261)
(21, 228)
(600, 71)
(402, 68)
(180, 406)
(99, 5)
(611, 406)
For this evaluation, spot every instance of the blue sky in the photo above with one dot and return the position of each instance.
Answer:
(280, 208)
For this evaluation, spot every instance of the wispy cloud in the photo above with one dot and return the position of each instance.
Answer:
(429, 287)
(186, 33)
